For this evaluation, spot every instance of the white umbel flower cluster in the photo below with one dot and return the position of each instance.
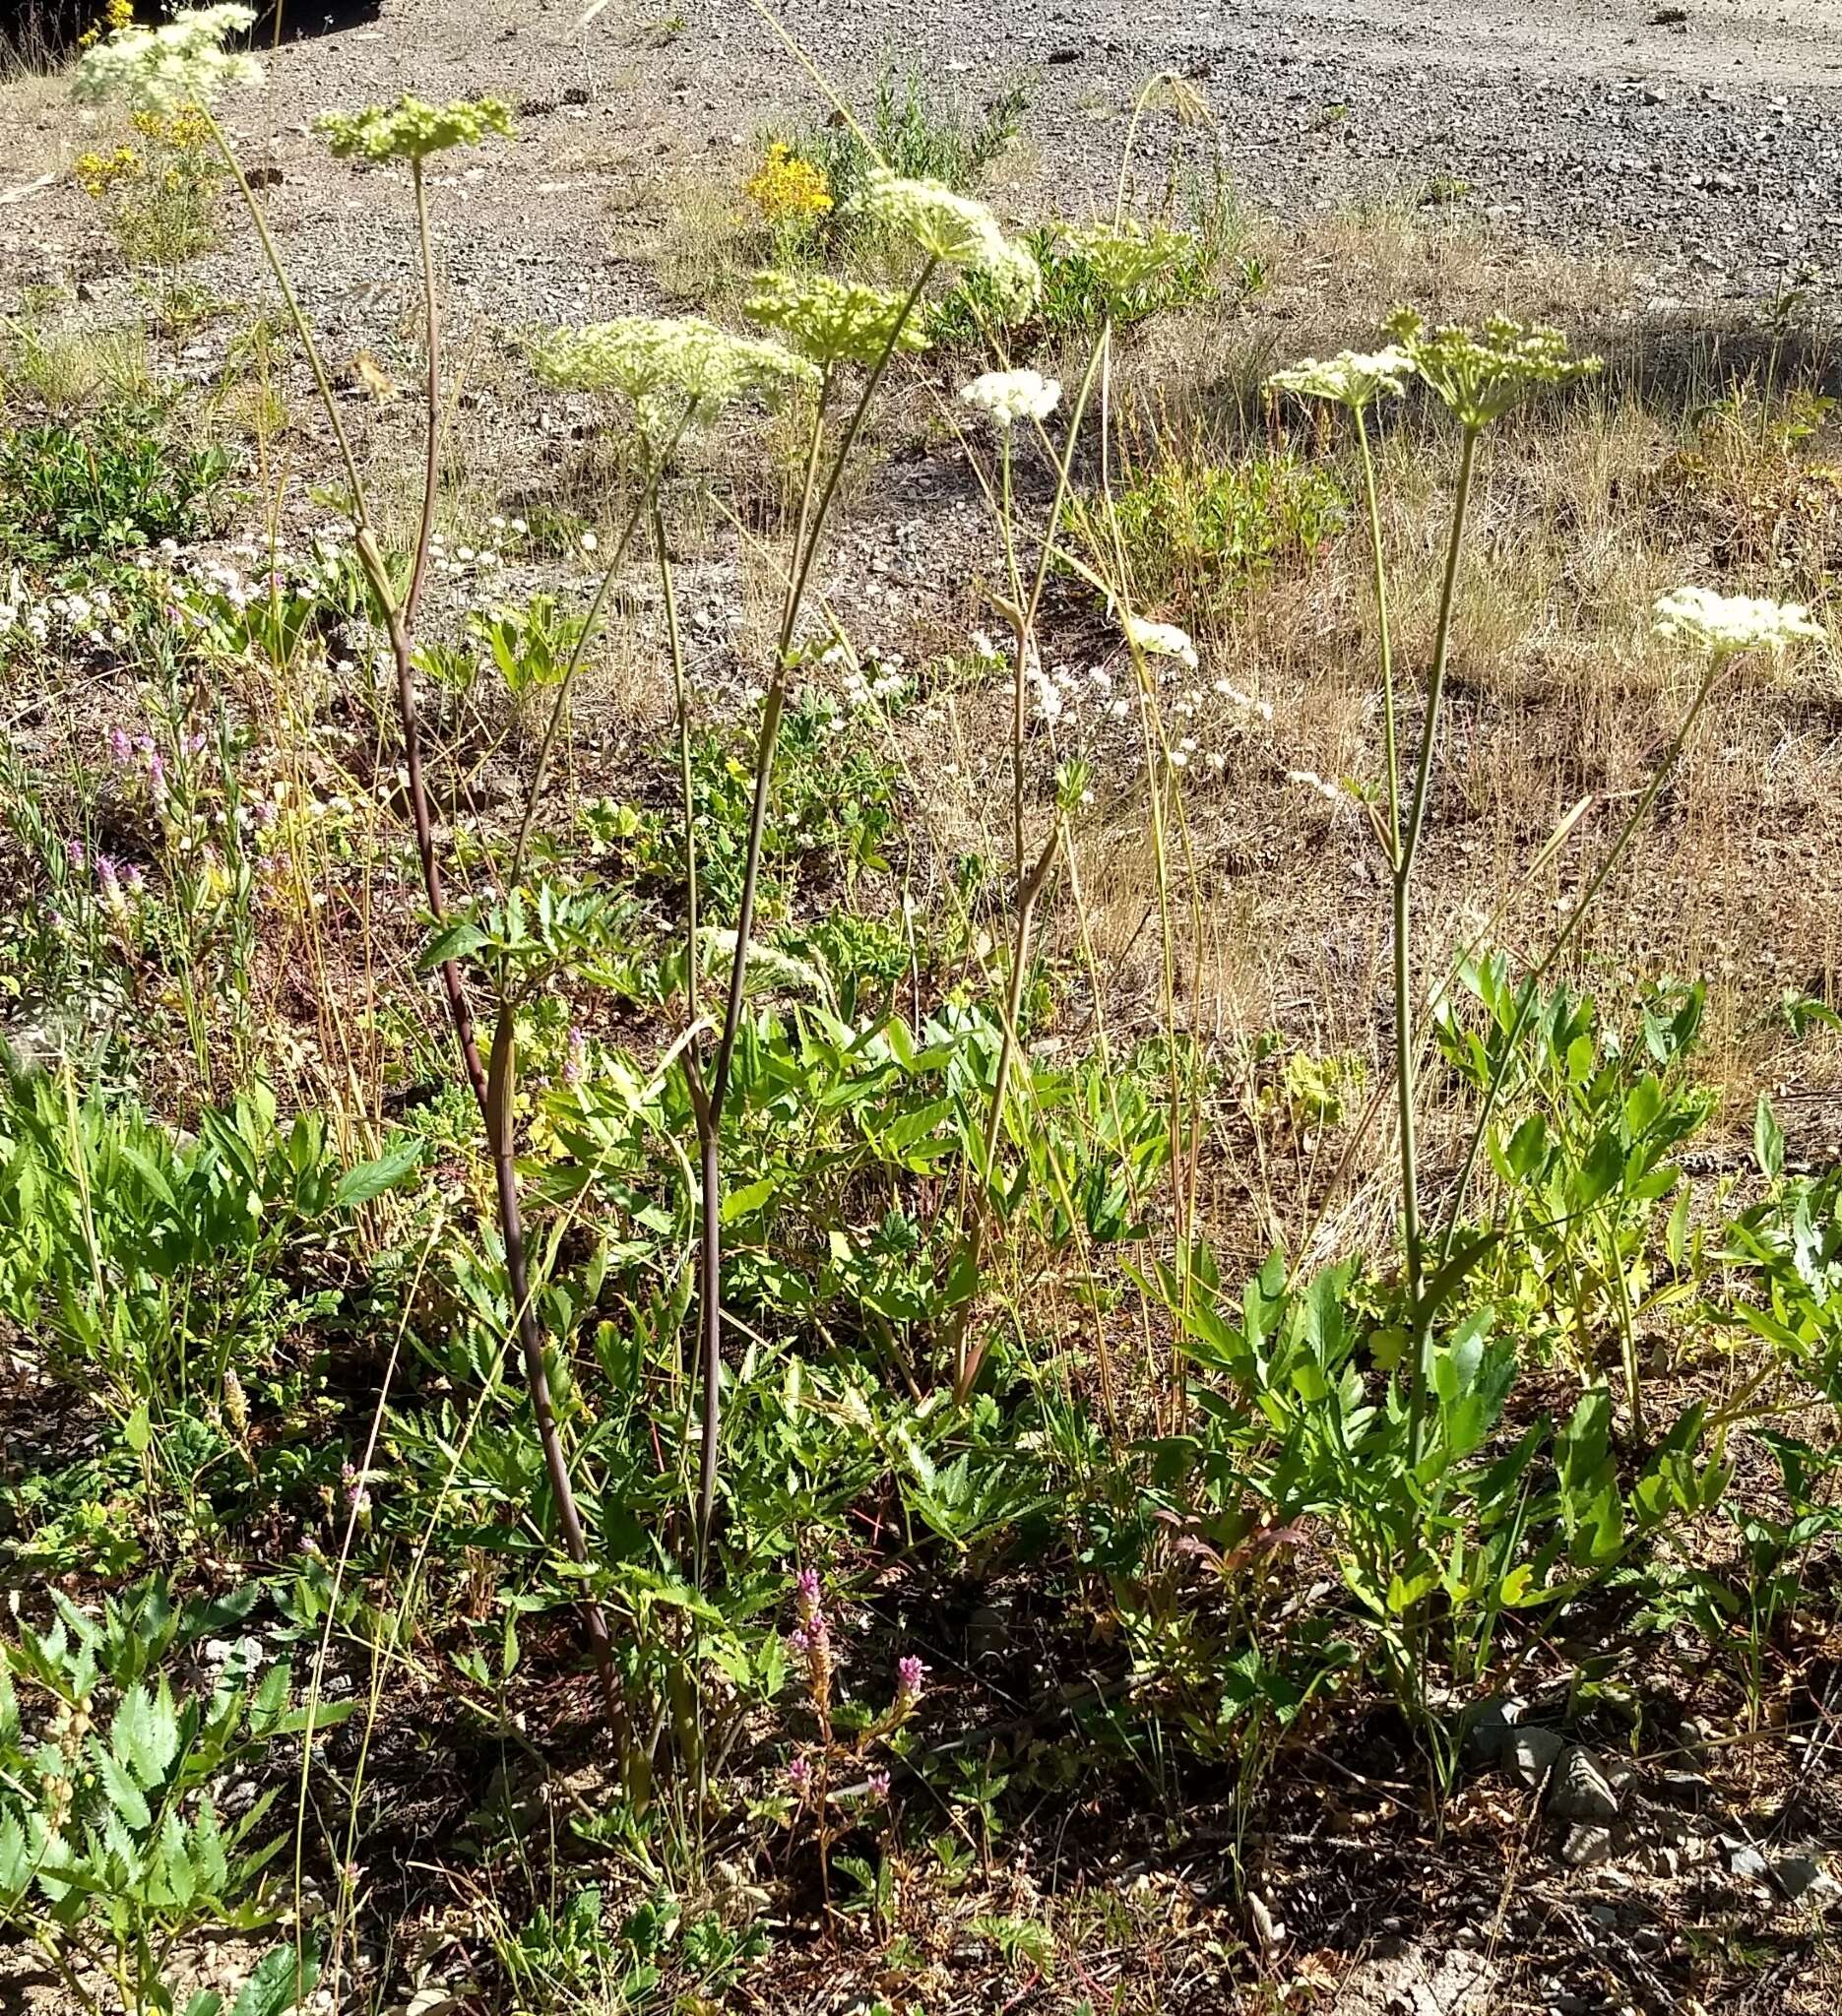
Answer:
(160, 69)
(956, 229)
(1726, 624)
(1352, 378)
(1161, 639)
(1013, 395)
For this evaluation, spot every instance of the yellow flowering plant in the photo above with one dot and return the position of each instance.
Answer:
(792, 196)
(159, 195)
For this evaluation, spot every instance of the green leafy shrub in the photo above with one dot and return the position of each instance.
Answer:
(1073, 302)
(113, 1848)
(836, 805)
(112, 482)
(917, 133)
(1196, 536)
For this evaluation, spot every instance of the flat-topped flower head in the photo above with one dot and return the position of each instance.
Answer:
(833, 321)
(1013, 395)
(1127, 257)
(161, 68)
(955, 230)
(1482, 373)
(410, 131)
(1161, 639)
(667, 369)
(1727, 625)
(1352, 378)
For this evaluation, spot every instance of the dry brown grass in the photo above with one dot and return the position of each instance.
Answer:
(1585, 511)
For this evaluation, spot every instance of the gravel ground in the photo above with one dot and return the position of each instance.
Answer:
(1703, 140)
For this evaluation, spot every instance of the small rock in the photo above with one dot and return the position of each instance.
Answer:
(1492, 1725)
(1802, 1875)
(1586, 1845)
(1620, 1774)
(1744, 1860)
(1685, 1788)
(1532, 1753)
(1581, 1792)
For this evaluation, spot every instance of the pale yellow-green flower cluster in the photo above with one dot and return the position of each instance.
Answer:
(668, 371)
(833, 321)
(160, 69)
(410, 131)
(1352, 378)
(1127, 257)
(1728, 624)
(1482, 373)
(955, 230)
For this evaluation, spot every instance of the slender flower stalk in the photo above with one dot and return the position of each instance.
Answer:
(816, 504)
(1720, 629)
(1405, 1060)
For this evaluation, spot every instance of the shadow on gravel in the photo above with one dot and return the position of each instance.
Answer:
(1678, 366)
(45, 32)
(298, 19)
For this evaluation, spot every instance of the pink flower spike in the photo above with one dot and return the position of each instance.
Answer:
(911, 1677)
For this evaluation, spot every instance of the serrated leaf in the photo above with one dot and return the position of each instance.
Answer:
(401, 1159)
(453, 941)
(124, 1794)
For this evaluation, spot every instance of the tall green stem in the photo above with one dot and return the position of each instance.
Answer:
(814, 511)
(1564, 937)
(431, 472)
(491, 1088)
(259, 219)
(590, 622)
(1405, 1048)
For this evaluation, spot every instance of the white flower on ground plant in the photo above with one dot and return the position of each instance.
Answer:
(1725, 624)
(160, 69)
(1352, 378)
(955, 230)
(1012, 395)
(1309, 780)
(1162, 640)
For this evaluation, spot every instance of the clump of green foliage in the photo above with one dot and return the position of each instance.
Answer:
(113, 481)
(913, 130)
(1196, 536)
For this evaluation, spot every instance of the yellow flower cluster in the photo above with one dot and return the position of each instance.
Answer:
(116, 14)
(181, 133)
(785, 189)
(95, 174)
(185, 128)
